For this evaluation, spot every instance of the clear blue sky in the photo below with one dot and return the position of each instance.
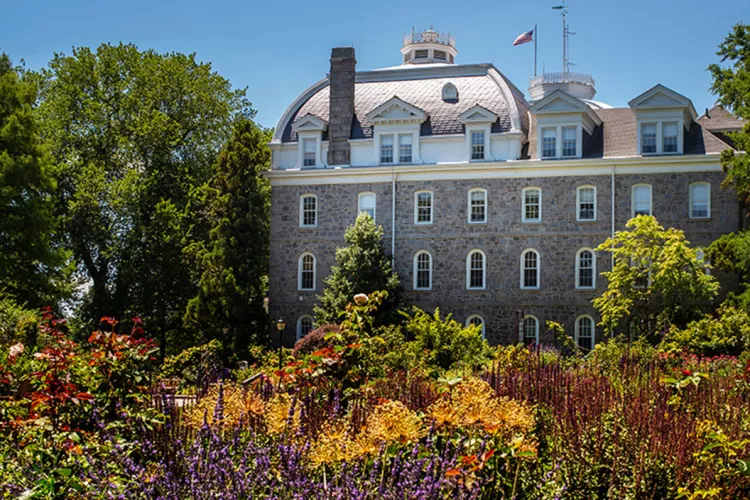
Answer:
(278, 48)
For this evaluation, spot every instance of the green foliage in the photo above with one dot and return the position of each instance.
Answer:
(731, 82)
(135, 134)
(195, 365)
(361, 267)
(32, 266)
(234, 260)
(446, 343)
(657, 279)
(17, 324)
(729, 333)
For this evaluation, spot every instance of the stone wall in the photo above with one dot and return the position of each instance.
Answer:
(503, 238)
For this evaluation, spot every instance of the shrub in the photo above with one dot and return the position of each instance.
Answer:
(710, 336)
(315, 340)
(195, 366)
(446, 343)
(16, 323)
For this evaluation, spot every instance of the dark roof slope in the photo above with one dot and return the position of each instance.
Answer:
(424, 93)
(617, 136)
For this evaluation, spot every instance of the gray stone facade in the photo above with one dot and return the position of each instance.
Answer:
(502, 238)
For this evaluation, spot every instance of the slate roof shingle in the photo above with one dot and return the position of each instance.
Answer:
(719, 119)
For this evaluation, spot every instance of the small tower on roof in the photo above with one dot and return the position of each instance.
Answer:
(429, 46)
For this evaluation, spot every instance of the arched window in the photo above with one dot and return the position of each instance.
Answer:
(477, 206)
(422, 270)
(476, 320)
(530, 269)
(367, 204)
(304, 326)
(530, 330)
(585, 332)
(641, 199)
(586, 203)
(308, 210)
(531, 211)
(703, 261)
(423, 207)
(306, 272)
(700, 200)
(585, 269)
(476, 270)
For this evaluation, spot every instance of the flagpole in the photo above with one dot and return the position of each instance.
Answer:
(535, 51)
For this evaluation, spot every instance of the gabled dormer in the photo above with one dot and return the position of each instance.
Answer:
(477, 121)
(662, 117)
(309, 129)
(396, 129)
(561, 121)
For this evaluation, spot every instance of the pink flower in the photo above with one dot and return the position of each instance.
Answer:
(360, 299)
(16, 350)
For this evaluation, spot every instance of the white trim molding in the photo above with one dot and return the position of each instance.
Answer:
(302, 210)
(578, 202)
(708, 200)
(415, 268)
(469, 206)
(578, 269)
(538, 270)
(593, 329)
(650, 198)
(523, 205)
(416, 207)
(300, 266)
(469, 269)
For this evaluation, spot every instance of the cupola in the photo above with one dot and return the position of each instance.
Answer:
(429, 46)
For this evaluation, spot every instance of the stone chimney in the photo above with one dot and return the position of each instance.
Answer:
(341, 112)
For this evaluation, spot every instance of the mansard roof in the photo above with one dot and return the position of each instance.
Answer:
(617, 136)
(420, 87)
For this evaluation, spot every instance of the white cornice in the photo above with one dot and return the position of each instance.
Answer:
(498, 170)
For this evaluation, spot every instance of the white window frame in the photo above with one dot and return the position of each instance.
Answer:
(480, 318)
(663, 137)
(302, 210)
(650, 198)
(416, 268)
(562, 141)
(416, 207)
(314, 271)
(476, 190)
(522, 333)
(578, 203)
(468, 270)
(541, 138)
(538, 269)
(656, 137)
(484, 144)
(558, 128)
(315, 136)
(523, 204)
(659, 122)
(399, 150)
(578, 269)
(299, 324)
(314, 142)
(593, 330)
(394, 149)
(690, 199)
(374, 207)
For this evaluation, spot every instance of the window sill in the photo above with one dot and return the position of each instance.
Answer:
(309, 227)
(590, 289)
(474, 222)
(700, 219)
(585, 221)
(423, 223)
(476, 289)
(531, 221)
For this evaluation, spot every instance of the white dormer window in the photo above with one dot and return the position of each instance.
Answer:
(569, 138)
(648, 138)
(477, 144)
(669, 137)
(308, 152)
(404, 148)
(386, 149)
(549, 142)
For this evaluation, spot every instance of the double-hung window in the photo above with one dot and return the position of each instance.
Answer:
(530, 330)
(477, 206)
(306, 272)
(549, 142)
(641, 197)
(477, 144)
(476, 270)
(585, 332)
(530, 269)
(367, 204)
(669, 137)
(585, 269)
(648, 138)
(532, 205)
(700, 200)
(423, 207)
(586, 203)
(309, 210)
(304, 326)
(386, 149)
(569, 141)
(404, 148)
(308, 152)
(422, 271)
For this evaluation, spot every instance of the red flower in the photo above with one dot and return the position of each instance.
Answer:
(686, 372)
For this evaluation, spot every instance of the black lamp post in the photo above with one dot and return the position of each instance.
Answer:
(280, 326)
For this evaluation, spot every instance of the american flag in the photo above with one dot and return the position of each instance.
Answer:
(524, 38)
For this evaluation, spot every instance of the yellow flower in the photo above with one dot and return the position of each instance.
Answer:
(239, 405)
(394, 422)
(276, 415)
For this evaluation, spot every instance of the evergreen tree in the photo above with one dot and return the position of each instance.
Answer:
(31, 267)
(234, 261)
(361, 267)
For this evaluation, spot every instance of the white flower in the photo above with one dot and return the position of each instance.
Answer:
(16, 350)
(360, 299)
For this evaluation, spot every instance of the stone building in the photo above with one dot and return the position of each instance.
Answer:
(491, 204)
